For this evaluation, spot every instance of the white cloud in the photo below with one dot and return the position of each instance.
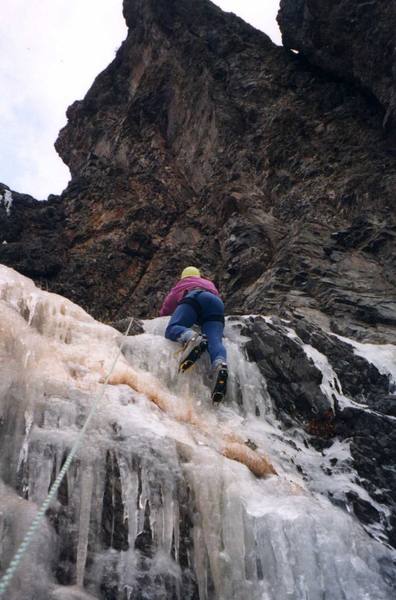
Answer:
(51, 51)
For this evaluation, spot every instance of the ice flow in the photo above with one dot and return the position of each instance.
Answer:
(165, 499)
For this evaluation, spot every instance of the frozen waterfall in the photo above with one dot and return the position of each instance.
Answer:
(169, 497)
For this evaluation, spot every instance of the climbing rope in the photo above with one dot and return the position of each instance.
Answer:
(7, 577)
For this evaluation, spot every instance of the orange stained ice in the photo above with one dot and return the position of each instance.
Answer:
(50, 338)
(227, 442)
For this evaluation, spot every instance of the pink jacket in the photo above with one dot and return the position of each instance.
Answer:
(181, 288)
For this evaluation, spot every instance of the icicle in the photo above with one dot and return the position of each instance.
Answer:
(25, 446)
(84, 522)
(32, 302)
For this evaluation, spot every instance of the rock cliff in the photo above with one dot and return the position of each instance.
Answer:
(203, 142)
(354, 39)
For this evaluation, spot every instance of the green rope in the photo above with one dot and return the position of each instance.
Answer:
(7, 577)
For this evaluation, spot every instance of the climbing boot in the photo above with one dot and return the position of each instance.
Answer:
(219, 378)
(192, 350)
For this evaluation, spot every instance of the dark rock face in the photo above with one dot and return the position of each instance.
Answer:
(293, 381)
(223, 151)
(353, 39)
(367, 421)
(31, 235)
(122, 326)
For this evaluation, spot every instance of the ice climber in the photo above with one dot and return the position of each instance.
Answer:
(196, 301)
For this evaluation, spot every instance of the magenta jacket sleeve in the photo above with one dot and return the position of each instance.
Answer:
(169, 305)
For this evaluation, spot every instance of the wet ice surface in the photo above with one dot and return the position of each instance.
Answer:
(151, 508)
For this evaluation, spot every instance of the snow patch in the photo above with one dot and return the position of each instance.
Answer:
(7, 199)
(382, 356)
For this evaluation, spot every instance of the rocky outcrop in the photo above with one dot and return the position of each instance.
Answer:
(224, 151)
(31, 234)
(358, 406)
(355, 40)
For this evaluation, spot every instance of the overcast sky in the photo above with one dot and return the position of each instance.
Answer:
(51, 51)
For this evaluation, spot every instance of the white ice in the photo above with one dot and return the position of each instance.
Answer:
(382, 356)
(270, 538)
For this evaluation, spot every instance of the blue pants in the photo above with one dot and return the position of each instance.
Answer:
(185, 316)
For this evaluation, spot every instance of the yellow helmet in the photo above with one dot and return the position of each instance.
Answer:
(190, 272)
